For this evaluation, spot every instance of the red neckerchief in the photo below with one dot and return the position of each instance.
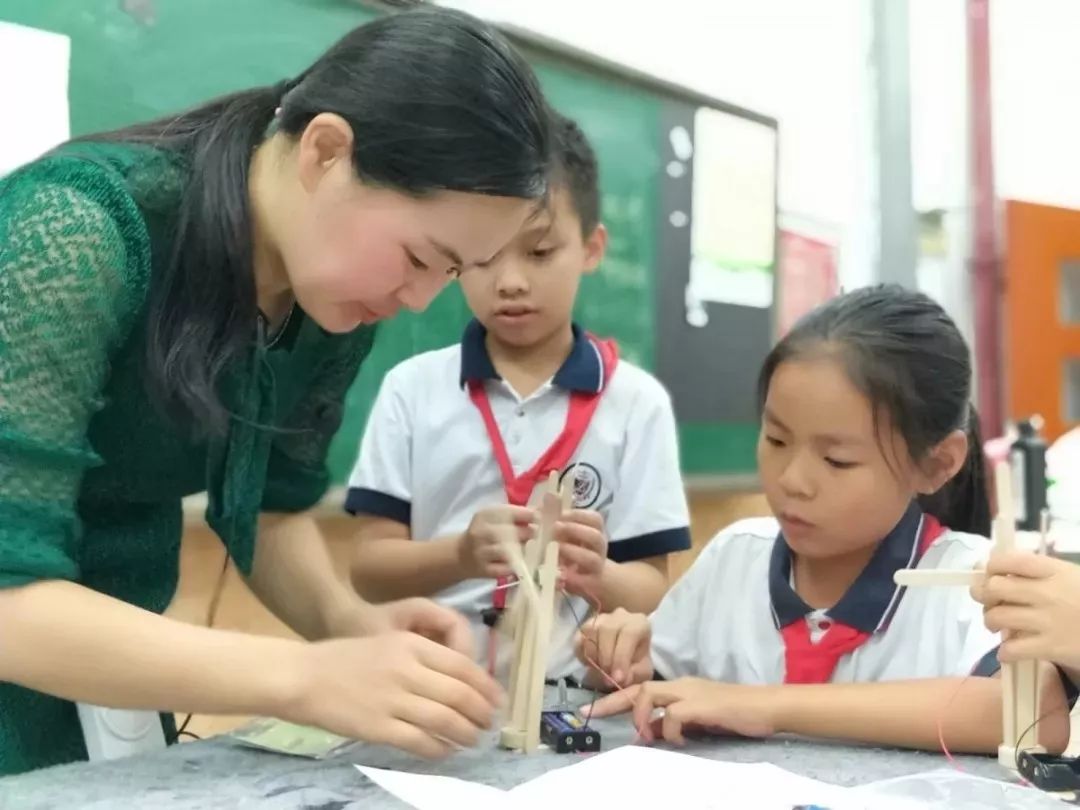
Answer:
(519, 488)
(807, 662)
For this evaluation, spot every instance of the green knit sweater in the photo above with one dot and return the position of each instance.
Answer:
(91, 476)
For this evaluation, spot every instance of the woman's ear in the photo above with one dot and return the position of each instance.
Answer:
(943, 462)
(325, 143)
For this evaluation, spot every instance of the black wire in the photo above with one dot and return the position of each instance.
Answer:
(579, 622)
(1020, 740)
(1024, 733)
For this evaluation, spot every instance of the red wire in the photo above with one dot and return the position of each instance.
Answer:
(941, 724)
(594, 602)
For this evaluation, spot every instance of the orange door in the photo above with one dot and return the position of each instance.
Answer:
(1042, 314)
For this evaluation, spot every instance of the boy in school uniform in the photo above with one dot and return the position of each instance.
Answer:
(462, 439)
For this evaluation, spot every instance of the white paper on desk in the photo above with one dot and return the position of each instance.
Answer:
(632, 777)
(428, 792)
(33, 93)
(956, 790)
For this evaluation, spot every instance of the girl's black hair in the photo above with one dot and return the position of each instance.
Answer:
(907, 356)
(437, 100)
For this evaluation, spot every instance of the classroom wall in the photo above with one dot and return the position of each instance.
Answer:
(1035, 76)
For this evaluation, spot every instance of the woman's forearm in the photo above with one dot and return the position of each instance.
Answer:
(63, 639)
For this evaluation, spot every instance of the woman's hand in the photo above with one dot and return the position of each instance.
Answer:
(395, 688)
(415, 615)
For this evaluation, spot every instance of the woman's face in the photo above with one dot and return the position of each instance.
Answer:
(356, 253)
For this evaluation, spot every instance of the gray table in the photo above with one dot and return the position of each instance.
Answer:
(217, 773)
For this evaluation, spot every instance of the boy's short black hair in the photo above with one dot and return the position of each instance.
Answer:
(575, 167)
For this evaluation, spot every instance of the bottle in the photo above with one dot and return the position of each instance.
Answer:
(1027, 457)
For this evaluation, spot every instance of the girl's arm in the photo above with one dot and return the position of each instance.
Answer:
(907, 714)
(965, 712)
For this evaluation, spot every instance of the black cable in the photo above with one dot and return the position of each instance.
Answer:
(1024, 733)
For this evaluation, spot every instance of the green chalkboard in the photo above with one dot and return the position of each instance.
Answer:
(136, 60)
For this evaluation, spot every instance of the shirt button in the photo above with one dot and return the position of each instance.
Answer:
(520, 411)
(824, 624)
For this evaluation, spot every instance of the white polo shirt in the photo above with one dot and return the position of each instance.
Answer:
(426, 460)
(724, 619)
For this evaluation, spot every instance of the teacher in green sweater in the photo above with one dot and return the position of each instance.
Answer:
(183, 305)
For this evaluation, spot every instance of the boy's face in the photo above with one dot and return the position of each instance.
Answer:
(526, 293)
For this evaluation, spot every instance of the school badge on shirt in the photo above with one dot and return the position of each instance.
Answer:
(587, 484)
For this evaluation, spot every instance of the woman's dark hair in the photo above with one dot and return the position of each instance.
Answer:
(904, 353)
(437, 100)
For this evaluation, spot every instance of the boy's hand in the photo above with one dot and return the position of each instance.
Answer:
(480, 548)
(582, 552)
(1035, 601)
(615, 647)
(694, 705)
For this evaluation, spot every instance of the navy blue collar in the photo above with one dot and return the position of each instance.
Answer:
(582, 370)
(871, 600)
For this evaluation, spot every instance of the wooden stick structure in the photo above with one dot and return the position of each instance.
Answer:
(1019, 680)
(529, 619)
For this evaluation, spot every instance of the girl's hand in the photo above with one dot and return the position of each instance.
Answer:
(615, 646)
(693, 705)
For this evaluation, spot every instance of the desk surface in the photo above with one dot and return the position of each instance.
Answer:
(217, 773)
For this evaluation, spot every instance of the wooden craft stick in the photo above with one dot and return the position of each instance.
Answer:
(567, 496)
(526, 653)
(916, 577)
(1005, 524)
(1024, 701)
(516, 558)
(1004, 529)
(541, 641)
(550, 512)
(531, 615)
(1008, 708)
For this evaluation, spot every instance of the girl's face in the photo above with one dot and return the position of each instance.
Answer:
(354, 253)
(823, 462)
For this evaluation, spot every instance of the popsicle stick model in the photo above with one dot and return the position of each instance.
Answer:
(915, 577)
(530, 617)
(1019, 680)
